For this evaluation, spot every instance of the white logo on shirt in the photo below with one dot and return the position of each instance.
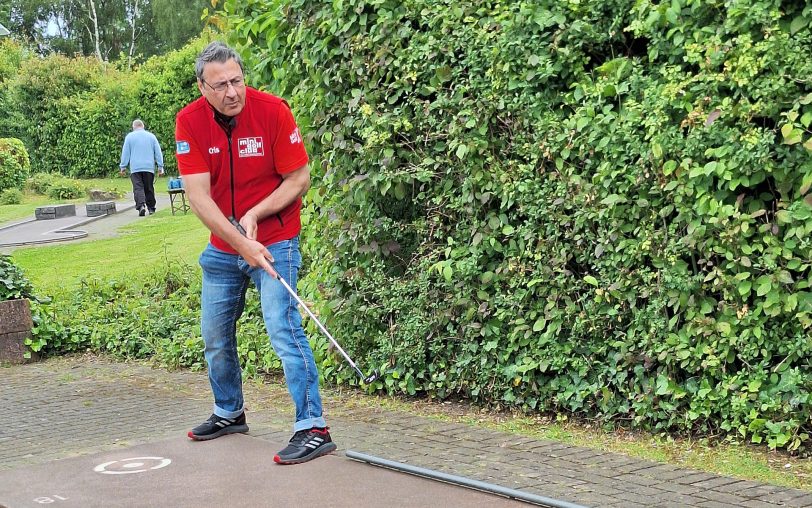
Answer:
(250, 147)
(213, 150)
(295, 137)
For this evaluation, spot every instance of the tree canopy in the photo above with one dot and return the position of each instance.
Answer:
(108, 29)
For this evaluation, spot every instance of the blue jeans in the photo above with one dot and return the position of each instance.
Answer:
(225, 281)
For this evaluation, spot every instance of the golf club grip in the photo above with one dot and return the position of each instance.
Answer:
(237, 225)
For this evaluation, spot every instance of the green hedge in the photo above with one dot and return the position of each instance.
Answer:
(157, 317)
(598, 207)
(40, 93)
(14, 164)
(75, 112)
(12, 55)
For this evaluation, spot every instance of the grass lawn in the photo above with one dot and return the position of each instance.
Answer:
(31, 201)
(157, 239)
(164, 238)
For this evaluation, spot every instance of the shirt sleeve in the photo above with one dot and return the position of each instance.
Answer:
(289, 150)
(159, 156)
(125, 153)
(190, 158)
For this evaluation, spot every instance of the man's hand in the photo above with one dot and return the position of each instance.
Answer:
(255, 254)
(249, 223)
(122, 172)
(160, 171)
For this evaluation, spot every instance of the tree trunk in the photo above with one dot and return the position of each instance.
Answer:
(95, 35)
(132, 38)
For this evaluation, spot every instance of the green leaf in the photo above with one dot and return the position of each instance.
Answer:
(806, 183)
(448, 272)
(539, 324)
(591, 280)
(657, 150)
(798, 23)
(462, 151)
(791, 134)
(443, 74)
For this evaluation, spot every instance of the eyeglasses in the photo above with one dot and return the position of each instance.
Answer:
(223, 85)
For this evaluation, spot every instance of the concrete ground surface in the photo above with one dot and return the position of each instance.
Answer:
(229, 471)
(65, 414)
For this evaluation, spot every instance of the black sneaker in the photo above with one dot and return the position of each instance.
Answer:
(306, 445)
(217, 426)
(142, 211)
(151, 211)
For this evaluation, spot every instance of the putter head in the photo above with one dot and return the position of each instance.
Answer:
(372, 377)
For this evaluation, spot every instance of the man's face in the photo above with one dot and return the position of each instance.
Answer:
(223, 86)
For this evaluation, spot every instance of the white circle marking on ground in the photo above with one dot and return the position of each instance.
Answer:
(131, 464)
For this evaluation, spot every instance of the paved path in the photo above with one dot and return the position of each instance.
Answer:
(29, 231)
(69, 407)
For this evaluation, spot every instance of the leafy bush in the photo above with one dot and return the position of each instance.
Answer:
(66, 188)
(41, 182)
(36, 95)
(157, 317)
(596, 207)
(11, 197)
(75, 112)
(14, 285)
(14, 164)
(12, 54)
(95, 123)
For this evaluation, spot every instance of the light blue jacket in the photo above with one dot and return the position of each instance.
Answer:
(141, 151)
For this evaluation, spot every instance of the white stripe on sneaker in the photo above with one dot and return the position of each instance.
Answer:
(314, 443)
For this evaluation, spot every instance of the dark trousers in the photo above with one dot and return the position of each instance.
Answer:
(143, 189)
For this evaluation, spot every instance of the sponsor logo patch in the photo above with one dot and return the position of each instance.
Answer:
(250, 147)
(182, 147)
(295, 137)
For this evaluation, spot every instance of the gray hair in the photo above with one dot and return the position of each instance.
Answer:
(216, 52)
(138, 124)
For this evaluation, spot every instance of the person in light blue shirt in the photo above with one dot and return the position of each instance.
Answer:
(142, 152)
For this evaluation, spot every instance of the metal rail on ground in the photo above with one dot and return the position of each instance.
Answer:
(461, 481)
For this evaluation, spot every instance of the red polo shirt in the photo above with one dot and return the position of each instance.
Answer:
(265, 144)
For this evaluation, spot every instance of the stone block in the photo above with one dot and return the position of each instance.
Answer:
(98, 208)
(15, 327)
(54, 211)
(102, 195)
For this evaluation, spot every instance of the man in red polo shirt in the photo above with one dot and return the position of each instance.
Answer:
(244, 168)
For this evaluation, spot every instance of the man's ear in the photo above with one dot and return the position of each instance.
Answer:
(200, 86)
